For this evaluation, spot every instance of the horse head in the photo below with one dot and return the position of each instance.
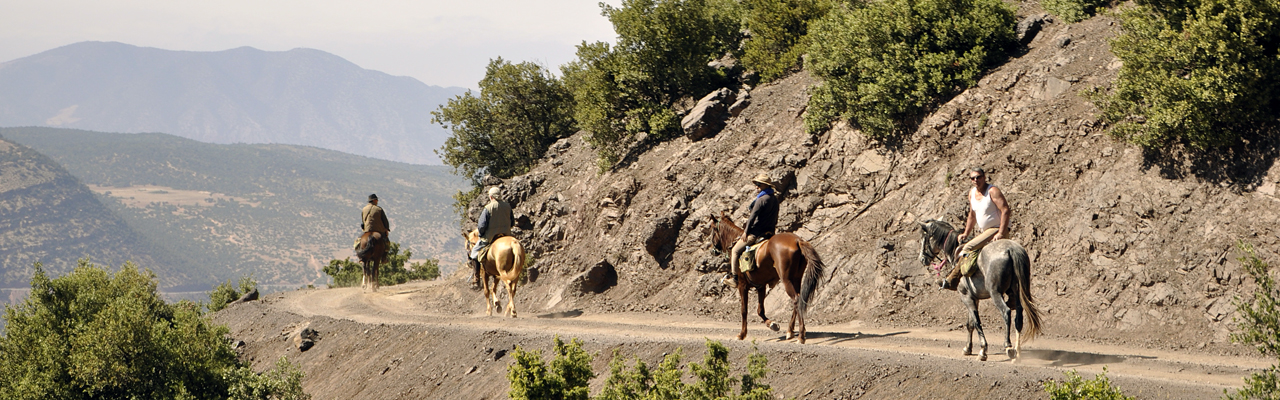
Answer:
(934, 240)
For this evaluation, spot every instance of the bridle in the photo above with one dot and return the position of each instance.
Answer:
(936, 267)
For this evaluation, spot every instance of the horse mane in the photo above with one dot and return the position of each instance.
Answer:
(724, 231)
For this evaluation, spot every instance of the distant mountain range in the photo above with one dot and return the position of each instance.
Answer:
(200, 213)
(243, 95)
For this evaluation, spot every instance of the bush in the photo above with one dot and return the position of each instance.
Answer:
(1259, 325)
(1076, 388)
(284, 382)
(91, 334)
(1072, 11)
(225, 293)
(779, 31)
(566, 378)
(522, 109)
(1196, 72)
(570, 372)
(887, 63)
(347, 273)
(661, 56)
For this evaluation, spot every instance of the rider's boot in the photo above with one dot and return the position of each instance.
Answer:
(952, 280)
(475, 272)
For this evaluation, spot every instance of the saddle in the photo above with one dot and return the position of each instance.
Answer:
(484, 251)
(747, 262)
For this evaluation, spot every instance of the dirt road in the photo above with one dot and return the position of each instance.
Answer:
(463, 353)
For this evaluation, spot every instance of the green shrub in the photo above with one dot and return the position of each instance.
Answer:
(347, 273)
(226, 293)
(885, 64)
(1195, 72)
(661, 56)
(1259, 325)
(521, 110)
(1072, 11)
(462, 203)
(91, 334)
(1076, 388)
(779, 31)
(566, 378)
(284, 382)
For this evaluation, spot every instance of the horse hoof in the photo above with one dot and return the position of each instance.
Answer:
(982, 357)
(789, 336)
(968, 351)
(1013, 354)
(773, 326)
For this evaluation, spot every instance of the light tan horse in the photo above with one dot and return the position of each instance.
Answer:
(506, 263)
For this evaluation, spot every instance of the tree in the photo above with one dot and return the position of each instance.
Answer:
(347, 273)
(1259, 325)
(1195, 72)
(779, 34)
(661, 56)
(521, 110)
(91, 334)
(226, 293)
(886, 63)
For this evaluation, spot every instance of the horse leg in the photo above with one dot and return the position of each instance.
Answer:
(1006, 313)
(488, 295)
(795, 312)
(1015, 307)
(742, 294)
(511, 297)
(373, 275)
(761, 292)
(975, 323)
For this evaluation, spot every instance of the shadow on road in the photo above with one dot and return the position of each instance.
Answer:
(1062, 358)
(561, 314)
(840, 337)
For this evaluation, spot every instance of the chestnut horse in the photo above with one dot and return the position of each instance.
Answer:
(785, 255)
(372, 252)
(506, 263)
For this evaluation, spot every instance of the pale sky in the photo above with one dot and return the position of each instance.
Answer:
(445, 43)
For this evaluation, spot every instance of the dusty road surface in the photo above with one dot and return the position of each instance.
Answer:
(397, 343)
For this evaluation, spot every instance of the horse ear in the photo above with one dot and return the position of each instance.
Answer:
(923, 227)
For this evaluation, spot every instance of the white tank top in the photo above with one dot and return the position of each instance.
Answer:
(984, 210)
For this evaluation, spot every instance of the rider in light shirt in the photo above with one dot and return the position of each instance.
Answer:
(990, 213)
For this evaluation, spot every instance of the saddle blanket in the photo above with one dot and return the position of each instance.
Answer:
(747, 262)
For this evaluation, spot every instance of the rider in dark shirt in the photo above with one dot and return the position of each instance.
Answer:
(760, 224)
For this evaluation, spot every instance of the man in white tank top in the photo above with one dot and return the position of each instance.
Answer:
(989, 212)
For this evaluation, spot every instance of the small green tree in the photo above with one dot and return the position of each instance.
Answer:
(779, 34)
(1077, 388)
(661, 56)
(567, 378)
(226, 293)
(347, 273)
(284, 382)
(1195, 72)
(888, 62)
(521, 110)
(1072, 11)
(714, 382)
(1259, 325)
(90, 334)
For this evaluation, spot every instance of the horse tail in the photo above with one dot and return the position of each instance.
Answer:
(813, 273)
(519, 257)
(1022, 271)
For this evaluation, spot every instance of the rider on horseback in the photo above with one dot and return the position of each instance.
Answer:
(495, 221)
(760, 225)
(373, 219)
(989, 211)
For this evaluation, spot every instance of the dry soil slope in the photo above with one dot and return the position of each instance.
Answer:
(1125, 249)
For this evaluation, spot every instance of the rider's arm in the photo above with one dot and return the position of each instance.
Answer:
(968, 224)
(755, 211)
(997, 197)
(483, 224)
(385, 222)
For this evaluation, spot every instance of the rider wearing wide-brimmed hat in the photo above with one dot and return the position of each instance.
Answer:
(374, 219)
(760, 224)
(496, 221)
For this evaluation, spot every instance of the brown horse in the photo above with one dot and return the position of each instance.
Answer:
(785, 255)
(506, 263)
(372, 252)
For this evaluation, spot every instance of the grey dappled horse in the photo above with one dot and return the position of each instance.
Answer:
(1003, 269)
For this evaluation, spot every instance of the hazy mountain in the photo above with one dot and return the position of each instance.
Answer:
(243, 95)
(49, 216)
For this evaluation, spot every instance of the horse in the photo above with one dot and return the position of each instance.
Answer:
(372, 252)
(1003, 275)
(784, 258)
(506, 263)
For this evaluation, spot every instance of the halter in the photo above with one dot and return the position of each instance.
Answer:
(937, 266)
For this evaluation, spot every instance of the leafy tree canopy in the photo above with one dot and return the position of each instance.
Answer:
(779, 34)
(347, 273)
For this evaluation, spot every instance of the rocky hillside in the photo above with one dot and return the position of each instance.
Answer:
(49, 216)
(1123, 242)
(242, 95)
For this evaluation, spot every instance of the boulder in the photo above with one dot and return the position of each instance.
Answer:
(744, 100)
(597, 279)
(660, 241)
(306, 338)
(1028, 27)
(250, 296)
(708, 117)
